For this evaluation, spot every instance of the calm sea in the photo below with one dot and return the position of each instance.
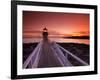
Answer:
(60, 40)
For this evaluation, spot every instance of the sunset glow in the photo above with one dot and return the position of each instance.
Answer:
(58, 24)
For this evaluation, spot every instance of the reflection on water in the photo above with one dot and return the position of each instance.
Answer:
(60, 40)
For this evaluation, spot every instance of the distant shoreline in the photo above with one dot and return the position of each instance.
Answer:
(78, 37)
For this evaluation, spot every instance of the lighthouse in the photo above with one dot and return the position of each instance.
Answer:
(45, 34)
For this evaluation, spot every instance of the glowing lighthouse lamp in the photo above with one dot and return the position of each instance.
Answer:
(45, 34)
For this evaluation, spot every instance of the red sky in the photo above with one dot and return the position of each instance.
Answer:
(58, 24)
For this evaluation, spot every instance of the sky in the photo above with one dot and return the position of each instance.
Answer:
(58, 24)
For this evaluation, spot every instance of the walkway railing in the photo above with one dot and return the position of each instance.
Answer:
(71, 54)
(32, 60)
(60, 54)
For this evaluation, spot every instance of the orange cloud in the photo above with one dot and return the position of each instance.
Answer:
(81, 33)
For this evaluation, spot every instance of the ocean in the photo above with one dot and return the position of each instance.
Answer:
(60, 40)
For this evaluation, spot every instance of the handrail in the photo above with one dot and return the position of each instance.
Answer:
(35, 64)
(61, 55)
(75, 57)
(31, 55)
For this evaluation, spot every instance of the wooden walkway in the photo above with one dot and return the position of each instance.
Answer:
(50, 54)
(47, 57)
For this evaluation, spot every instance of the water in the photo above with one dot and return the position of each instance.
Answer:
(60, 40)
